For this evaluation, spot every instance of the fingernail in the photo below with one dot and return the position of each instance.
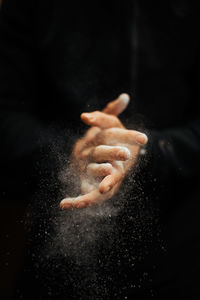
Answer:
(125, 98)
(141, 138)
(106, 189)
(123, 154)
(85, 115)
(64, 206)
(108, 168)
(89, 117)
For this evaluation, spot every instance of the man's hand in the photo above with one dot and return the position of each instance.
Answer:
(104, 155)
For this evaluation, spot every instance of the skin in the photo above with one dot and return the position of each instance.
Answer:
(104, 155)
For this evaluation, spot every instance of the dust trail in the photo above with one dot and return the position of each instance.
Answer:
(84, 252)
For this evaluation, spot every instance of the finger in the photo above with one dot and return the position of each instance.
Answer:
(108, 182)
(78, 147)
(111, 182)
(91, 133)
(123, 136)
(101, 120)
(104, 153)
(89, 199)
(67, 203)
(117, 106)
(84, 142)
(82, 201)
(97, 170)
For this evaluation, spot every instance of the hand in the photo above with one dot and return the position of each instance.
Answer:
(104, 155)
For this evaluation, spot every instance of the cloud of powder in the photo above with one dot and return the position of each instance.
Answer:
(80, 247)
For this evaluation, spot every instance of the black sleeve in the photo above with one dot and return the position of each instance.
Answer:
(19, 127)
(175, 153)
(168, 167)
(24, 136)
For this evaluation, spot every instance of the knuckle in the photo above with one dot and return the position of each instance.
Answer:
(109, 106)
(97, 113)
(88, 168)
(85, 153)
(98, 148)
(115, 118)
(108, 133)
(101, 136)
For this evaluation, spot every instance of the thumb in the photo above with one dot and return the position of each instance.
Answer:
(117, 106)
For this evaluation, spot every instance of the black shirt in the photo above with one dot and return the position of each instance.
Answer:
(59, 59)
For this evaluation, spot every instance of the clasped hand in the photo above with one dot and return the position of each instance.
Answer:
(104, 155)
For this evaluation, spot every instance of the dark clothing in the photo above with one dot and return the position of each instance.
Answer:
(58, 60)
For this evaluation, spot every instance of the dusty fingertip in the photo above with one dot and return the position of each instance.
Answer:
(101, 190)
(145, 137)
(124, 153)
(84, 116)
(125, 98)
(127, 153)
(104, 189)
(62, 204)
(107, 189)
(108, 168)
(65, 204)
(142, 138)
(87, 117)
